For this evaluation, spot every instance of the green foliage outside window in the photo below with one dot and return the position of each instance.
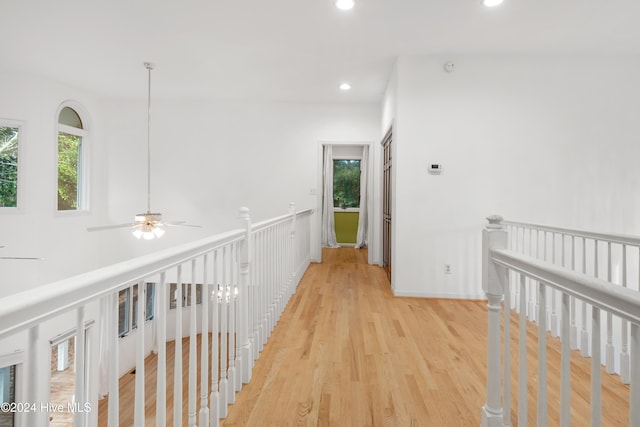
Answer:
(346, 183)
(69, 147)
(8, 166)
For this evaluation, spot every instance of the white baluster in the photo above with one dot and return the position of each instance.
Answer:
(34, 372)
(537, 308)
(584, 338)
(214, 416)
(272, 279)
(245, 356)
(554, 312)
(204, 346)
(193, 349)
(292, 251)
(609, 349)
(224, 336)
(258, 284)
(231, 370)
(139, 412)
(177, 370)
(262, 296)
(493, 236)
(522, 356)
(565, 362)
(634, 395)
(532, 306)
(507, 352)
(114, 356)
(282, 283)
(279, 265)
(513, 231)
(276, 278)
(161, 382)
(573, 326)
(624, 352)
(542, 356)
(596, 380)
(79, 417)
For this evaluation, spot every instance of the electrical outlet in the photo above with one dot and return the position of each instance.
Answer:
(447, 269)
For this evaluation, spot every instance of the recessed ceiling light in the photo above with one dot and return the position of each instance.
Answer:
(491, 3)
(345, 4)
(345, 86)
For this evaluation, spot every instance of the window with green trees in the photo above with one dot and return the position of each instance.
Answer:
(9, 136)
(346, 183)
(70, 155)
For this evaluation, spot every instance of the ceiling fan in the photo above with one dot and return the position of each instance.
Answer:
(147, 225)
(18, 257)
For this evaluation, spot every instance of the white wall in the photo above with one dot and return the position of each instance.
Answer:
(211, 158)
(36, 229)
(545, 139)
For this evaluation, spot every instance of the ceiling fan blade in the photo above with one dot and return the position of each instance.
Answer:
(180, 224)
(111, 227)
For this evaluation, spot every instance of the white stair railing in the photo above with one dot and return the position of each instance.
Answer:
(231, 288)
(506, 269)
(611, 257)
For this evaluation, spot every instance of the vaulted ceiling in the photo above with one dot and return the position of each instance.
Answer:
(287, 50)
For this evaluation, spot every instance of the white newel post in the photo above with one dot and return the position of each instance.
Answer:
(493, 236)
(245, 362)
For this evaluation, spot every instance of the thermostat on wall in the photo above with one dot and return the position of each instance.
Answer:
(435, 168)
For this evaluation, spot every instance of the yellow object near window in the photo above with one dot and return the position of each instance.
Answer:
(346, 224)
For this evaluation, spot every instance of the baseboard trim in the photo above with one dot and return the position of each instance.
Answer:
(413, 294)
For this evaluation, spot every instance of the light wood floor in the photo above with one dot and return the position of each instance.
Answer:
(347, 353)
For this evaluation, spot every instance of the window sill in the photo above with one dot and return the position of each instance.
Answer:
(72, 213)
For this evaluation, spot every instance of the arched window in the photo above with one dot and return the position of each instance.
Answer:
(72, 135)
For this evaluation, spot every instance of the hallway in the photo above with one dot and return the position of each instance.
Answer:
(346, 353)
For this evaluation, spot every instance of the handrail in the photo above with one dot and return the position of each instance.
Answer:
(620, 301)
(25, 309)
(614, 238)
(269, 222)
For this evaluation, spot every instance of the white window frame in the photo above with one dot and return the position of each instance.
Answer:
(18, 359)
(339, 209)
(83, 168)
(130, 307)
(20, 190)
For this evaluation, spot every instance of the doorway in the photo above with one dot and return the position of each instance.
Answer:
(345, 208)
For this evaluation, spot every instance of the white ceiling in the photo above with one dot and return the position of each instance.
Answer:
(287, 50)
